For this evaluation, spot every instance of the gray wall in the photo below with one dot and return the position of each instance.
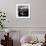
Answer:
(38, 13)
(37, 22)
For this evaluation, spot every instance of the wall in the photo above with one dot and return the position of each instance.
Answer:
(38, 13)
(37, 22)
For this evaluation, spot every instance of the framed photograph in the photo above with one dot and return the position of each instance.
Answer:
(22, 10)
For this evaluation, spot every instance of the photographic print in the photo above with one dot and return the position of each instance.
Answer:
(22, 10)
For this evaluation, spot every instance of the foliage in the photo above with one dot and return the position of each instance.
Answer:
(2, 19)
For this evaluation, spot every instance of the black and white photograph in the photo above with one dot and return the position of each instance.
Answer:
(22, 10)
